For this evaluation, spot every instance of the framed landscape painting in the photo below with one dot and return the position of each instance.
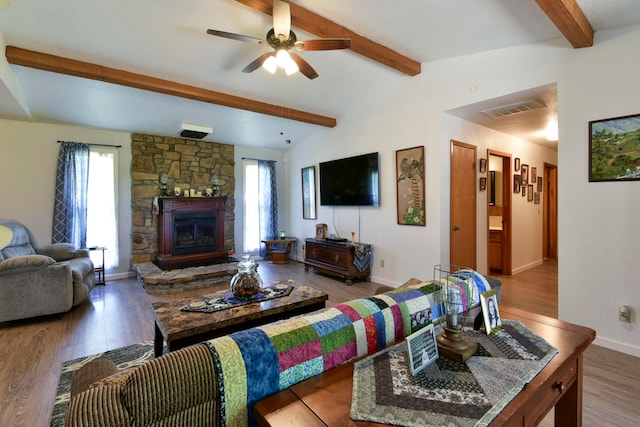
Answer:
(410, 186)
(614, 149)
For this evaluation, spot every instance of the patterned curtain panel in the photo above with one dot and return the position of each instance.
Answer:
(268, 200)
(70, 208)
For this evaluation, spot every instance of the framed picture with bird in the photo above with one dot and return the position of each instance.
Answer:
(411, 201)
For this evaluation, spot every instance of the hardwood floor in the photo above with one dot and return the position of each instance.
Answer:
(118, 314)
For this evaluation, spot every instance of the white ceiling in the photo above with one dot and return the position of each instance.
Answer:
(167, 39)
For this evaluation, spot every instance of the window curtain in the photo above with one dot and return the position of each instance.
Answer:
(70, 206)
(268, 200)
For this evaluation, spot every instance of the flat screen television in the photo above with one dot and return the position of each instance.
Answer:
(352, 181)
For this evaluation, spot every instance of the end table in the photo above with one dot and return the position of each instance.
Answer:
(100, 280)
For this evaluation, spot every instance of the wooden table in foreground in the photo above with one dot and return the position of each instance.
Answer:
(325, 400)
(182, 328)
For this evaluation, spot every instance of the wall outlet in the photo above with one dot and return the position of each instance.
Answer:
(381, 263)
(624, 314)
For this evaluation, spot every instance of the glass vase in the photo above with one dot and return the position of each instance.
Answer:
(246, 283)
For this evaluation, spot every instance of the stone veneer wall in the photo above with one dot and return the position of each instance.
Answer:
(189, 164)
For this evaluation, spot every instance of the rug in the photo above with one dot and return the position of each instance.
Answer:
(125, 358)
(449, 393)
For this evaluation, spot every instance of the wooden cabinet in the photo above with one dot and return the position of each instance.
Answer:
(495, 250)
(334, 258)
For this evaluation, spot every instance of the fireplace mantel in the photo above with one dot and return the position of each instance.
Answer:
(171, 208)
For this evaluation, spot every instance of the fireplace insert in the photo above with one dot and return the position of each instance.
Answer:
(194, 232)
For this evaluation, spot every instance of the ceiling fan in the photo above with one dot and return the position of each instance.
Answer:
(282, 39)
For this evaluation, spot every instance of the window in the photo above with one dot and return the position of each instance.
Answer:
(102, 226)
(251, 242)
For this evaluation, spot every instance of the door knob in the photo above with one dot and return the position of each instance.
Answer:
(456, 228)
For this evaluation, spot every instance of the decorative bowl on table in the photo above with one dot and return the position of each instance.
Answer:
(246, 283)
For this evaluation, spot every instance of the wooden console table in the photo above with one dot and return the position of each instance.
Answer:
(325, 400)
(334, 258)
(279, 254)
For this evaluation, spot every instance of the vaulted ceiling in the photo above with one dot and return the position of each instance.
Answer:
(149, 66)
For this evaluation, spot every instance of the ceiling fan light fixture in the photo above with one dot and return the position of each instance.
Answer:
(271, 64)
(283, 58)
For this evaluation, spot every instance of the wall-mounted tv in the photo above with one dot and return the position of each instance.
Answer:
(352, 181)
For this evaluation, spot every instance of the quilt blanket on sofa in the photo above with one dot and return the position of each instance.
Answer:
(261, 361)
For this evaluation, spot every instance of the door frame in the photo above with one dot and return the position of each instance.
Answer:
(507, 180)
(550, 212)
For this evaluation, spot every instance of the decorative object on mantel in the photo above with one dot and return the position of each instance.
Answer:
(613, 149)
(448, 392)
(410, 191)
(246, 284)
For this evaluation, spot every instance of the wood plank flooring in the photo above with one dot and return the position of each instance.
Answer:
(118, 314)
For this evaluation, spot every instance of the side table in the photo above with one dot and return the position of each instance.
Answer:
(278, 254)
(100, 280)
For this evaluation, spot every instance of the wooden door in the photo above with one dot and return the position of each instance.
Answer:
(462, 215)
(550, 215)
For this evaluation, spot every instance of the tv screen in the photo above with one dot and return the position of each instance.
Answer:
(353, 181)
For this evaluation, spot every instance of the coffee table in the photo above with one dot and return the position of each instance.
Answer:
(325, 400)
(182, 328)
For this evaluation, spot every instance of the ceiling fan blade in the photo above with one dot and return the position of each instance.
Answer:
(281, 19)
(304, 66)
(257, 63)
(323, 44)
(234, 36)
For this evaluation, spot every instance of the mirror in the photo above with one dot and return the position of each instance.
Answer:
(309, 193)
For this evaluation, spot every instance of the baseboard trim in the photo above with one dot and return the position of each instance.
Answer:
(626, 348)
(527, 266)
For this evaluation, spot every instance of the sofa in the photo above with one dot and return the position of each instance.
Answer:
(217, 382)
(41, 280)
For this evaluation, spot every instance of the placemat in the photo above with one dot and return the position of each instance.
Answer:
(449, 393)
(209, 305)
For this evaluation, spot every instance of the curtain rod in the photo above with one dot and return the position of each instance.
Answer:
(97, 145)
(249, 158)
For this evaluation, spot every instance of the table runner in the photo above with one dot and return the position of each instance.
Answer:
(447, 392)
(209, 305)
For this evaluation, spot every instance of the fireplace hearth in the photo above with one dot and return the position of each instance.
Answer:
(191, 232)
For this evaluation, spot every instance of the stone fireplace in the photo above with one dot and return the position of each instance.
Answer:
(189, 164)
(191, 232)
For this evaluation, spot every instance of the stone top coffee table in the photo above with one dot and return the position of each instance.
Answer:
(182, 328)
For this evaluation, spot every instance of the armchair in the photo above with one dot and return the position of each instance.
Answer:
(37, 281)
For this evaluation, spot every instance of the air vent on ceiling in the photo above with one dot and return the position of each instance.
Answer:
(516, 107)
(194, 131)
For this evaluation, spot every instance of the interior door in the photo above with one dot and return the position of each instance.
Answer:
(550, 209)
(462, 212)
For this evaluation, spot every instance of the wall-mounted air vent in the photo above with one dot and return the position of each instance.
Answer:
(194, 131)
(516, 107)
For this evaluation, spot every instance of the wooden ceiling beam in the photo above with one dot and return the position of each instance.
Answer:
(72, 67)
(315, 24)
(570, 20)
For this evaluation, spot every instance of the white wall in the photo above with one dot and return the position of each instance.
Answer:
(28, 160)
(596, 250)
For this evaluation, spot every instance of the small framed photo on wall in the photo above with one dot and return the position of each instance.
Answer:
(524, 174)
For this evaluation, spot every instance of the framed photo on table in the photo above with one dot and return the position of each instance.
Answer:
(422, 348)
(490, 312)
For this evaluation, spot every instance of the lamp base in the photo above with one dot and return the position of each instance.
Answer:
(451, 345)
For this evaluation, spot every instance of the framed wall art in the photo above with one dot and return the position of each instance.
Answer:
(516, 183)
(309, 193)
(539, 184)
(411, 204)
(534, 174)
(483, 184)
(614, 149)
(524, 174)
(483, 165)
(516, 164)
(530, 193)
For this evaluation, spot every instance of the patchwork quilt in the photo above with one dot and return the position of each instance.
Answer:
(261, 361)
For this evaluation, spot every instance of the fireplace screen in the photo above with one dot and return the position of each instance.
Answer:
(194, 232)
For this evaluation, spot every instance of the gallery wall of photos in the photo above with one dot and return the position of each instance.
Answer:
(526, 180)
